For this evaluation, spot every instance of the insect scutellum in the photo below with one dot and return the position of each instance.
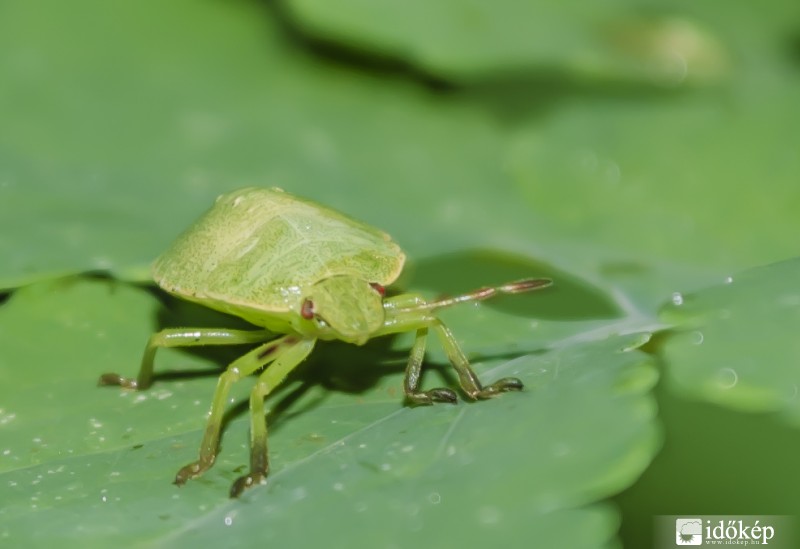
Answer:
(309, 273)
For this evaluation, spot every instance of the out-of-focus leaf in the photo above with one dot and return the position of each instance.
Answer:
(737, 342)
(112, 143)
(462, 41)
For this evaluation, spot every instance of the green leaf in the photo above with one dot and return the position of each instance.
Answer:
(463, 41)
(737, 342)
(113, 143)
(122, 122)
(98, 461)
(630, 190)
(624, 182)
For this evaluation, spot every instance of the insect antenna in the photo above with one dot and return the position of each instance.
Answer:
(516, 287)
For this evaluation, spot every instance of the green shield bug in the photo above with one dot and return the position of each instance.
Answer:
(300, 272)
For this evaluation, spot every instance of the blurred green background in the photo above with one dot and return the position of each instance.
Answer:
(644, 155)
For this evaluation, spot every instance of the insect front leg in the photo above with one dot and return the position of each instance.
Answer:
(408, 312)
(285, 361)
(413, 375)
(466, 375)
(402, 316)
(239, 368)
(182, 337)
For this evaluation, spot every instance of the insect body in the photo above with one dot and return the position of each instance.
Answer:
(293, 267)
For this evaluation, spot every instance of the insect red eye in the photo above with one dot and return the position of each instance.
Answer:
(378, 288)
(307, 309)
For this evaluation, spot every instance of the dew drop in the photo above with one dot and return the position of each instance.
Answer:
(727, 378)
(6, 417)
(677, 298)
(697, 337)
(435, 498)
(728, 279)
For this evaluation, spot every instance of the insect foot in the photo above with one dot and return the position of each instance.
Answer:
(244, 482)
(193, 470)
(439, 394)
(498, 387)
(116, 379)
